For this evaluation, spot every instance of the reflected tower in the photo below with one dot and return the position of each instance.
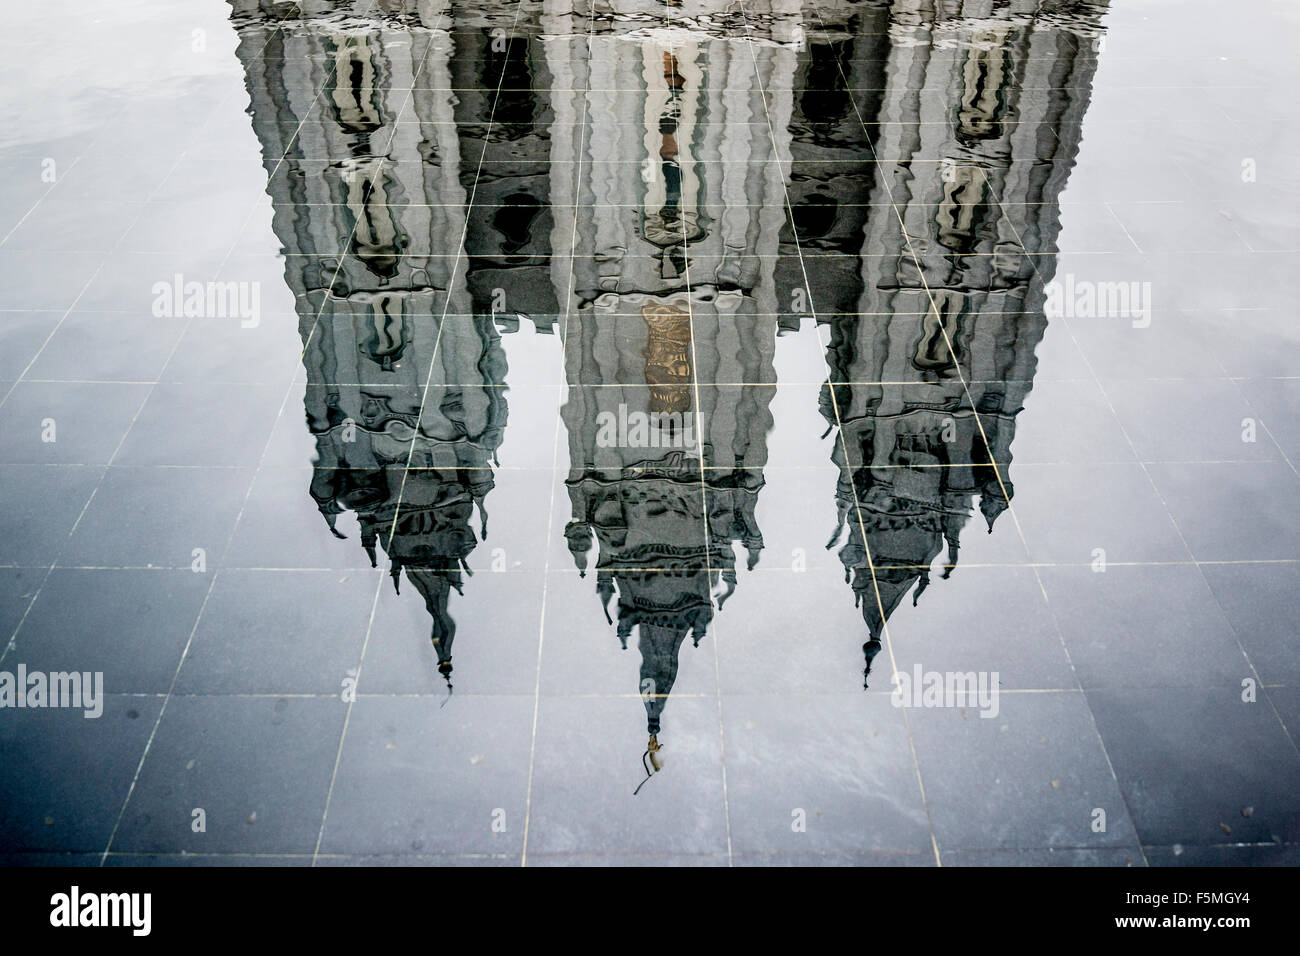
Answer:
(981, 126)
(405, 394)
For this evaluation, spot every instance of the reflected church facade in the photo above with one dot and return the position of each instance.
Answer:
(669, 196)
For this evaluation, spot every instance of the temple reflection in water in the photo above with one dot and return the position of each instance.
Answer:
(669, 195)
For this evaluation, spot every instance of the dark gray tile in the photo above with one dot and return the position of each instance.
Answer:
(984, 618)
(583, 784)
(219, 217)
(1070, 422)
(1144, 626)
(1050, 856)
(27, 285)
(202, 425)
(418, 776)
(88, 347)
(18, 587)
(281, 526)
(1262, 602)
(879, 859)
(1189, 420)
(279, 632)
(794, 539)
(67, 423)
(39, 504)
(820, 775)
(60, 225)
(258, 767)
(1190, 761)
(131, 625)
(1034, 776)
(66, 775)
(1114, 349)
(1287, 702)
(1233, 512)
(159, 517)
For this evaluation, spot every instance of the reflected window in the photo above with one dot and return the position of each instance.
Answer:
(353, 93)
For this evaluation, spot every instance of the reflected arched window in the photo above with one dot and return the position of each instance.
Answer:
(984, 77)
(353, 93)
(962, 209)
(825, 100)
(508, 68)
(939, 329)
(376, 239)
(386, 332)
(514, 221)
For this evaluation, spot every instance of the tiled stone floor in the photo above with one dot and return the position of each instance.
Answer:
(300, 303)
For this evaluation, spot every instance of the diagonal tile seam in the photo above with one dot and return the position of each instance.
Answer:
(61, 177)
(1199, 565)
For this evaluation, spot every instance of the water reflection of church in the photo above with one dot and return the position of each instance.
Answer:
(412, 246)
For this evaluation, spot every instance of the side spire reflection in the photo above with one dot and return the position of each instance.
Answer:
(929, 370)
(405, 396)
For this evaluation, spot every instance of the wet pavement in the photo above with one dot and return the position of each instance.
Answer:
(650, 432)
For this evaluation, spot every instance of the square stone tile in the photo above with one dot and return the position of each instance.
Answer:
(39, 504)
(66, 775)
(1034, 776)
(258, 767)
(419, 777)
(1261, 602)
(279, 632)
(1190, 762)
(130, 625)
(1144, 626)
(158, 517)
(583, 783)
(67, 424)
(828, 774)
